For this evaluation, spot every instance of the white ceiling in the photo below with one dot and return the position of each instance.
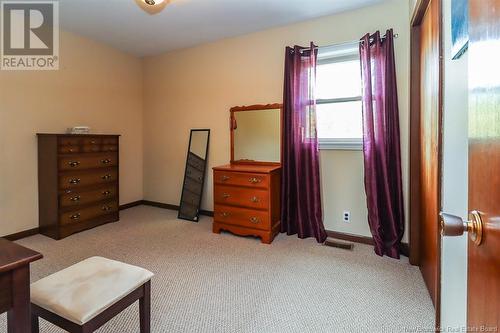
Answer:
(184, 23)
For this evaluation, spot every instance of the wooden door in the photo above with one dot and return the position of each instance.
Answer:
(483, 294)
(425, 145)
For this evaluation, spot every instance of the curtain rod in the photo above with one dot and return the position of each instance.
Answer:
(346, 43)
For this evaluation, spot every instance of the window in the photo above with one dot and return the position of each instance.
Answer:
(338, 93)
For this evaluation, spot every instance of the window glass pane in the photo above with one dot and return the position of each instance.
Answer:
(338, 79)
(340, 120)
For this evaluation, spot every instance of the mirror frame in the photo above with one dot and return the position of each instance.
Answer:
(256, 107)
(197, 217)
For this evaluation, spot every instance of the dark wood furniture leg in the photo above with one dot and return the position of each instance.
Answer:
(145, 309)
(35, 324)
(18, 317)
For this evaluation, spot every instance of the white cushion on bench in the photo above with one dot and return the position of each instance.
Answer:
(82, 291)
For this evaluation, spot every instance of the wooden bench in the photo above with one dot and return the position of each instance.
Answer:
(85, 296)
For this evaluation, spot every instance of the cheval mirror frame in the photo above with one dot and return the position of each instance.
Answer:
(256, 107)
(194, 217)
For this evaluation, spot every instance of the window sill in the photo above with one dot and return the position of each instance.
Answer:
(332, 144)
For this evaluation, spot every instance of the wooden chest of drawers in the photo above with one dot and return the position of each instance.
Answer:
(247, 200)
(77, 182)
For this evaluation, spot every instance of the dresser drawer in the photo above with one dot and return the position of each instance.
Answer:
(109, 148)
(88, 213)
(241, 179)
(69, 141)
(76, 198)
(75, 180)
(91, 141)
(68, 149)
(240, 196)
(88, 161)
(91, 148)
(110, 141)
(242, 217)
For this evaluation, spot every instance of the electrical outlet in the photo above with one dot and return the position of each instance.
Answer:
(347, 217)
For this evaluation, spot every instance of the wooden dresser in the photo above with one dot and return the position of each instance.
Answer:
(247, 200)
(77, 182)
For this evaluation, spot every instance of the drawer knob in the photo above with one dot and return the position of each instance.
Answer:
(75, 216)
(226, 195)
(75, 198)
(106, 177)
(106, 161)
(93, 142)
(106, 208)
(254, 220)
(106, 192)
(225, 178)
(224, 214)
(254, 180)
(255, 200)
(75, 180)
(74, 164)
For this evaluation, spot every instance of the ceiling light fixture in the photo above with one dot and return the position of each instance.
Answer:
(152, 6)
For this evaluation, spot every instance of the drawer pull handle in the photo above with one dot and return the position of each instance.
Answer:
(93, 142)
(226, 195)
(106, 208)
(255, 200)
(74, 164)
(75, 198)
(106, 192)
(75, 180)
(225, 178)
(106, 177)
(71, 150)
(254, 180)
(75, 216)
(106, 161)
(254, 220)
(224, 214)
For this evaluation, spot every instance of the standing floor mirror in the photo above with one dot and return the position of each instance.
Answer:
(194, 175)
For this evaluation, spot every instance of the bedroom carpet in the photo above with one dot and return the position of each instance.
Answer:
(222, 283)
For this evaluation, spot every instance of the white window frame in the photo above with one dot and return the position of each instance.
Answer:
(328, 55)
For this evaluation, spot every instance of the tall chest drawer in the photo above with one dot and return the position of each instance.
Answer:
(87, 161)
(75, 180)
(79, 198)
(85, 214)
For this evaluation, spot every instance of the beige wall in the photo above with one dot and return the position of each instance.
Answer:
(196, 87)
(95, 86)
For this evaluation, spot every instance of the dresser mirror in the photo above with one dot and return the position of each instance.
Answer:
(194, 175)
(256, 134)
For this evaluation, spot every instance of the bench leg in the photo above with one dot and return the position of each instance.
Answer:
(145, 309)
(35, 325)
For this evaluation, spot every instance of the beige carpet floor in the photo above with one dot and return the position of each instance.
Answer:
(222, 283)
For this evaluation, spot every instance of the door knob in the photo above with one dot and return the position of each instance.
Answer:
(452, 225)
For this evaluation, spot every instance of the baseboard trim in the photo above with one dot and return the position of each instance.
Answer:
(131, 204)
(173, 207)
(21, 234)
(350, 237)
(405, 249)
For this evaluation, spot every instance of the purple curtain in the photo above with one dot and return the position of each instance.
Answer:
(300, 183)
(381, 144)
